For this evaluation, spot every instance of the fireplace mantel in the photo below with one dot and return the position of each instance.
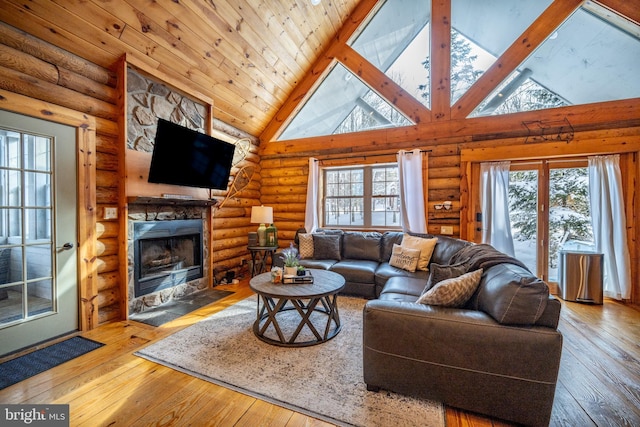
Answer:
(145, 200)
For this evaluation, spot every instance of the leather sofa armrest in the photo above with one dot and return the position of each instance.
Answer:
(463, 358)
(460, 338)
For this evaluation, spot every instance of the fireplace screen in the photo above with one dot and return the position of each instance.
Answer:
(167, 253)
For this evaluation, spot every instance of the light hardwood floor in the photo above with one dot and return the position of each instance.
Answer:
(599, 380)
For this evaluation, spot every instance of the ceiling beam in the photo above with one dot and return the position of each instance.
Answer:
(630, 9)
(384, 85)
(440, 60)
(602, 115)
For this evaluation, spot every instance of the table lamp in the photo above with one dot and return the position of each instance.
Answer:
(262, 215)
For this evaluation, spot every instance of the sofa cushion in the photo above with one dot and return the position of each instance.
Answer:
(404, 258)
(438, 273)
(389, 238)
(386, 271)
(356, 271)
(454, 292)
(361, 245)
(511, 295)
(326, 246)
(409, 287)
(446, 248)
(425, 246)
(322, 264)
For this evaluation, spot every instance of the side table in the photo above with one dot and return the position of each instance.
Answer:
(259, 257)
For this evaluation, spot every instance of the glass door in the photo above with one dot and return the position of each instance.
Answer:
(38, 266)
(569, 216)
(549, 212)
(524, 206)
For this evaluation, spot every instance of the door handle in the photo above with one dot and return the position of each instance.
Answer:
(67, 246)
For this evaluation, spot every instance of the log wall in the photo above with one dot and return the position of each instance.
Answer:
(43, 72)
(284, 176)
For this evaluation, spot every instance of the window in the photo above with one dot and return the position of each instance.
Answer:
(343, 103)
(361, 197)
(601, 45)
(26, 224)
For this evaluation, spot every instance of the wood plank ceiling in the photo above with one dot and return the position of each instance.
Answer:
(246, 55)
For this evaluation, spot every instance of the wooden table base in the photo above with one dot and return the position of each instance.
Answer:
(269, 308)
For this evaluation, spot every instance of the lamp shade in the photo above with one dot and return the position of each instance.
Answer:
(261, 214)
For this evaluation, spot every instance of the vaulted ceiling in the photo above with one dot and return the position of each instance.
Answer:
(246, 55)
(256, 59)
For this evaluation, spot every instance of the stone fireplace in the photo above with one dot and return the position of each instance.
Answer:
(168, 253)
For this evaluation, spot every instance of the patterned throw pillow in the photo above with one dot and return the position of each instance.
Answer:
(453, 292)
(425, 246)
(404, 258)
(438, 273)
(305, 245)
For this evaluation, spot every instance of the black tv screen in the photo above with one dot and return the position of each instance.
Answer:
(182, 156)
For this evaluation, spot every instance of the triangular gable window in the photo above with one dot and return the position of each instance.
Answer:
(396, 41)
(481, 32)
(342, 103)
(593, 56)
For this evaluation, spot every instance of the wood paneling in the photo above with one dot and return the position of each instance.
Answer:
(246, 55)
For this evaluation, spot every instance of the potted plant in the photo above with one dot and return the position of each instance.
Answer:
(301, 271)
(291, 258)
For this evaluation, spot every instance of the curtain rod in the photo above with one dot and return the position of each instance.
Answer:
(364, 156)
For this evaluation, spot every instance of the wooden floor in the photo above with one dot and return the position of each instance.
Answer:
(599, 381)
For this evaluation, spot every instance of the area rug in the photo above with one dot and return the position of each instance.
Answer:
(15, 370)
(175, 308)
(323, 381)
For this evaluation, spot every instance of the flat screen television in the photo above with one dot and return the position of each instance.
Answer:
(182, 156)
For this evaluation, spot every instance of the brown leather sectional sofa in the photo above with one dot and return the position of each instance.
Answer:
(498, 355)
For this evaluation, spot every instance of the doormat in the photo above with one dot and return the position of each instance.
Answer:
(23, 367)
(175, 308)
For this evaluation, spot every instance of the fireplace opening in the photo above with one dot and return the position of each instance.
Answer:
(166, 254)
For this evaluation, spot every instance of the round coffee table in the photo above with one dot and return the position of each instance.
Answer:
(319, 298)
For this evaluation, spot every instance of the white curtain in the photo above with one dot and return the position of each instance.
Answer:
(609, 224)
(412, 212)
(311, 217)
(494, 199)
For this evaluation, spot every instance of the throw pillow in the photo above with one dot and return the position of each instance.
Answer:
(425, 246)
(326, 246)
(404, 258)
(453, 292)
(306, 245)
(438, 273)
